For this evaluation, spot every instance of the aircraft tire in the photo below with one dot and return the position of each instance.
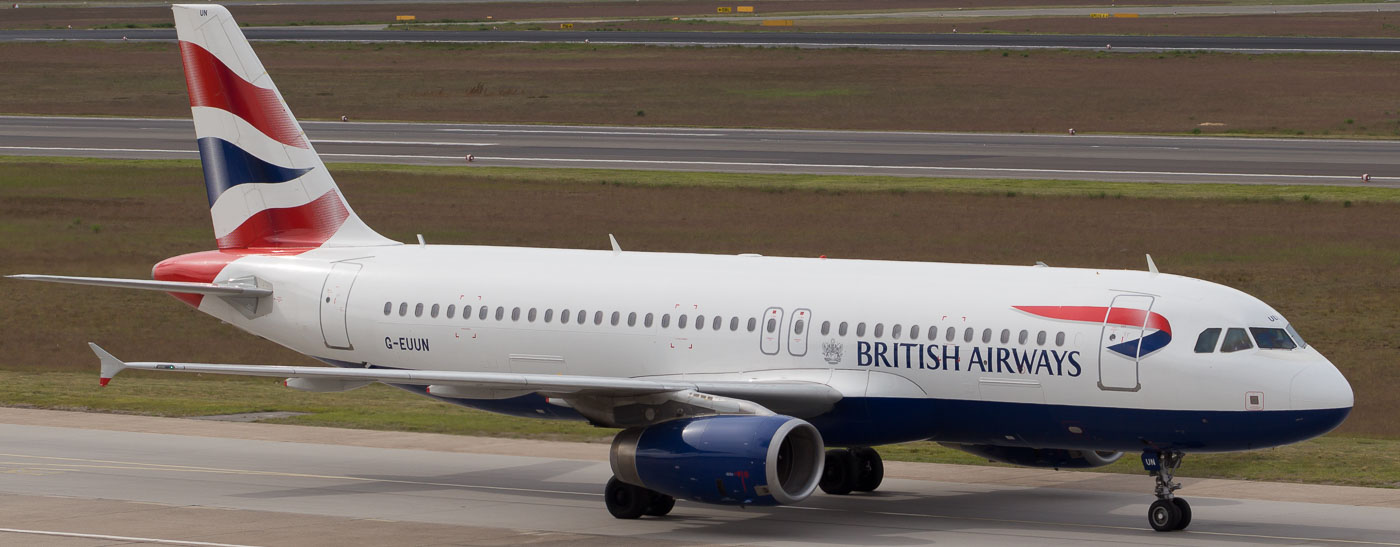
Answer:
(626, 501)
(1185, 510)
(1163, 515)
(870, 469)
(840, 474)
(661, 505)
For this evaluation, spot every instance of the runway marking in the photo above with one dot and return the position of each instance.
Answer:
(139, 466)
(122, 538)
(69, 149)
(572, 132)
(423, 143)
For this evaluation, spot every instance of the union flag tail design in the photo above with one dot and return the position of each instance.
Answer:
(267, 187)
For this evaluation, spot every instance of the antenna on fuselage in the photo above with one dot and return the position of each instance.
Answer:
(617, 249)
(1151, 266)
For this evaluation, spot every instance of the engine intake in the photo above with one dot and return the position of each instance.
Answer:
(1040, 457)
(729, 460)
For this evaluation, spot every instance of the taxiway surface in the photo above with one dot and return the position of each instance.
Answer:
(1082, 157)
(92, 479)
(966, 41)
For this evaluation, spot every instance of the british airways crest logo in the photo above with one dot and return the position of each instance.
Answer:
(1157, 331)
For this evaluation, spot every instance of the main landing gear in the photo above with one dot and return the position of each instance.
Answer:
(626, 501)
(858, 469)
(1169, 512)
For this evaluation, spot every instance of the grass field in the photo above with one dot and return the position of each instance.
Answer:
(1336, 95)
(1327, 265)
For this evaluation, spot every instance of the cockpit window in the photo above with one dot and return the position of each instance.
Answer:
(1235, 340)
(1272, 338)
(1296, 337)
(1206, 342)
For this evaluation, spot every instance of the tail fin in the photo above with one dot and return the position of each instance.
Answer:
(266, 185)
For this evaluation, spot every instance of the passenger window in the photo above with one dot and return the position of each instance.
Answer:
(1023, 337)
(894, 331)
(718, 323)
(548, 314)
(598, 317)
(582, 316)
(1059, 339)
(914, 332)
(682, 318)
(967, 334)
(388, 307)
(753, 324)
(500, 313)
(616, 317)
(798, 326)
(646, 321)
(860, 329)
(418, 310)
(466, 312)
(953, 332)
(1040, 339)
(632, 319)
(564, 316)
(700, 322)
(734, 323)
(666, 321)
(1235, 340)
(531, 316)
(403, 309)
(1205, 343)
(986, 336)
(1272, 338)
(772, 325)
(484, 311)
(515, 314)
(826, 327)
(451, 310)
(879, 330)
(841, 331)
(1005, 336)
(434, 312)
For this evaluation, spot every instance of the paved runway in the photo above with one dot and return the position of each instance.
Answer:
(973, 41)
(272, 485)
(1081, 157)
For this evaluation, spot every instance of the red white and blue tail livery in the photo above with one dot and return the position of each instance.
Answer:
(730, 375)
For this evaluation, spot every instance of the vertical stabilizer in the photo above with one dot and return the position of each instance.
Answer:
(266, 185)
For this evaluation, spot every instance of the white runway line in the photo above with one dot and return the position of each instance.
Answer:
(418, 143)
(624, 133)
(121, 538)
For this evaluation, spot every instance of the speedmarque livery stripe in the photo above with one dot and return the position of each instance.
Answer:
(226, 165)
(307, 225)
(1126, 317)
(211, 83)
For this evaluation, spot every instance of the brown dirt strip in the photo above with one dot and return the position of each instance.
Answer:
(740, 87)
(1330, 269)
(282, 14)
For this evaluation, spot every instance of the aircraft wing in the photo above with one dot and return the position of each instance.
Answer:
(788, 397)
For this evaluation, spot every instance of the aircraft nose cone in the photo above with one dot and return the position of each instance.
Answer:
(1321, 386)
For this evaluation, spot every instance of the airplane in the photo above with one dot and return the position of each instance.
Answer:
(736, 380)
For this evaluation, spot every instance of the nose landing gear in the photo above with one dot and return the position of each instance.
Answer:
(1169, 512)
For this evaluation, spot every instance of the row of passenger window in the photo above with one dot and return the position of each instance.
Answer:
(715, 323)
(1236, 339)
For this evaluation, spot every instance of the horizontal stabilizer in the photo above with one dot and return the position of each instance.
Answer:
(216, 289)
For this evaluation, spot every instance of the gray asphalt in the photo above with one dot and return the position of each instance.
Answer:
(965, 41)
(1081, 157)
(85, 478)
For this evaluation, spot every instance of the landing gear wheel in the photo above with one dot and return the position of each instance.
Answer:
(840, 474)
(1185, 510)
(870, 469)
(626, 501)
(1163, 516)
(661, 505)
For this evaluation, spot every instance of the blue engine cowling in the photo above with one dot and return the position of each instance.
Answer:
(1040, 457)
(729, 460)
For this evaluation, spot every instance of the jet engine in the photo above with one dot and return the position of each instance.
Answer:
(726, 459)
(1058, 458)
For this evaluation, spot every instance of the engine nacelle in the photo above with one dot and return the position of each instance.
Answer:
(1040, 457)
(727, 459)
